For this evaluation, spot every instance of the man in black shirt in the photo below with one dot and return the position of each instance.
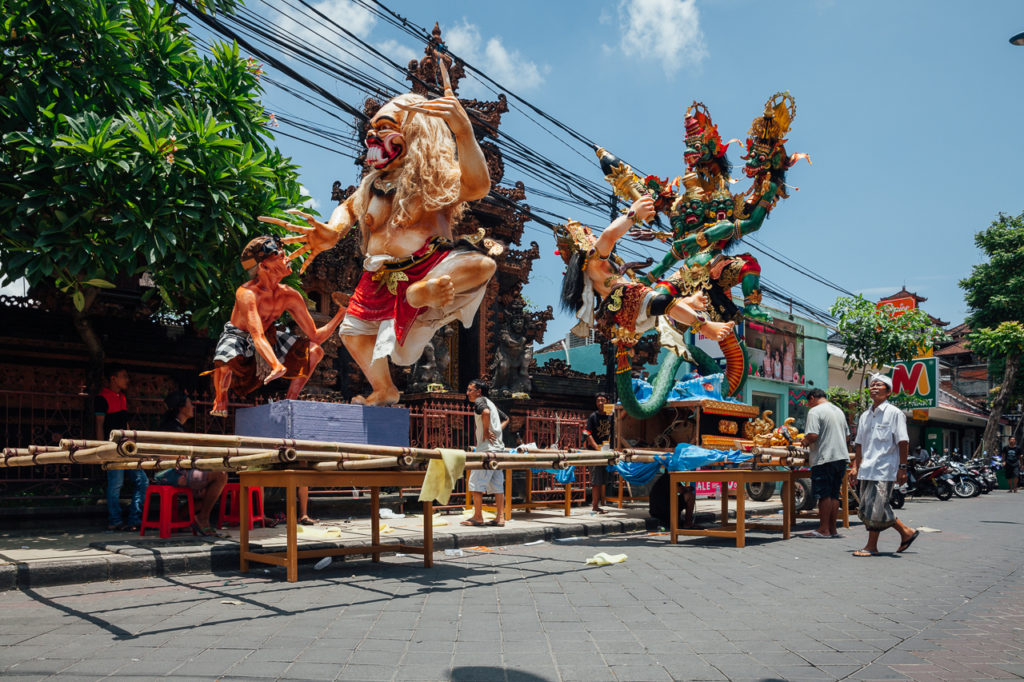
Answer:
(597, 433)
(659, 502)
(1011, 464)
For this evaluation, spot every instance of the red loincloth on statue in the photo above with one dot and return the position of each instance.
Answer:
(380, 295)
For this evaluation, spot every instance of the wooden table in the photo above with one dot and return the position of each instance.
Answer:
(844, 498)
(291, 479)
(725, 476)
(529, 504)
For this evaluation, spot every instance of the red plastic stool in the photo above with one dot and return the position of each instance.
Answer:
(167, 523)
(229, 506)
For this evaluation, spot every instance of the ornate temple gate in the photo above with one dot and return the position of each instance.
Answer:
(45, 417)
(442, 424)
(562, 429)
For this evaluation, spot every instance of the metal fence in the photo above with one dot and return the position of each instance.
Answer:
(562, 429)
(43, 418)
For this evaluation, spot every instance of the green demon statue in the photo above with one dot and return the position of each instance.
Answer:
(708, 222)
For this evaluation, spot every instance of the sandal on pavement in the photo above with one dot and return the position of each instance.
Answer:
(208, 532)
(495, 522)
(471, 522)
(864, 552)
(909, 541)
(306, 521)
(814, 534)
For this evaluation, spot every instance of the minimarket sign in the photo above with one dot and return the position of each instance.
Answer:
(915, 384)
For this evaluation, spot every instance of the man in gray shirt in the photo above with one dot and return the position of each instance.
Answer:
(826, 437)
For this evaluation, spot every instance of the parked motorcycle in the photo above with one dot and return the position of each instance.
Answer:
(985, 477)
(923, 480)
(964, 483)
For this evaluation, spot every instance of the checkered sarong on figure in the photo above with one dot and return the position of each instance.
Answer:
(234, 342)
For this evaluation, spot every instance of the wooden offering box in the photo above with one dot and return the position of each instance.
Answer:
(709, 423)
(333, 422)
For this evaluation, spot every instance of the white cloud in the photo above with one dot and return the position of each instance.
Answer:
(508, 67)
(346, 13)
(312, 203)
(666, 31)
(396, 52)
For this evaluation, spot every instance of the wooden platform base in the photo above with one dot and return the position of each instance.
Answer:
(727, 529)
(290, 480)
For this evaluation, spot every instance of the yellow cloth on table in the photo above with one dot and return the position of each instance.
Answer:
(442, 475)
(602, 559)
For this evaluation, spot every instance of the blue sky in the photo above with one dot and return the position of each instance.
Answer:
(910, 111)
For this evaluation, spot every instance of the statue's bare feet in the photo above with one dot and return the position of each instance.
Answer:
(385, 397)
(697, 301)
(219, 409)
(276, 373)
(433, 293)
(716, 331)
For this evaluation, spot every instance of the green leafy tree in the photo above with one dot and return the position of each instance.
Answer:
(852, 403)
(993, 295)
(876, 336)
(123, 151)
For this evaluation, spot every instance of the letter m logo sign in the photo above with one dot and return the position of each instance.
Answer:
(914, 383)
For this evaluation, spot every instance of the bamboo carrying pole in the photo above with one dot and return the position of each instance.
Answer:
(106, 452)
(795, 451)
(191, 439)
(168, 450)
(206, 464)
(33, 449)
(266, 443)
(352, 465)
(76, 444)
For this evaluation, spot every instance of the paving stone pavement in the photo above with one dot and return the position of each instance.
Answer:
(950, 608)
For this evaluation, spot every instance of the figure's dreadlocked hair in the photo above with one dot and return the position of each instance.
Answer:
(572, 283)
(430, 178)
(778, 176)
(724, 165)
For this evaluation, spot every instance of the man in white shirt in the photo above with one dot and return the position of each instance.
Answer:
(879, 463)
(826, 435)
(490, 421)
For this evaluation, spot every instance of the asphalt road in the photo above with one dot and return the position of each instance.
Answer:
(949, 608)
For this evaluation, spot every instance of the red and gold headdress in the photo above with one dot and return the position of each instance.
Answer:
(573, 237)
(699, 128)
(705, 153)
(768, 131)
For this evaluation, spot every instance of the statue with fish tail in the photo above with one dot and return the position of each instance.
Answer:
(708, 222)
(622, 309)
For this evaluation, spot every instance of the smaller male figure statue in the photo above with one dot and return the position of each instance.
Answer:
(252, 350)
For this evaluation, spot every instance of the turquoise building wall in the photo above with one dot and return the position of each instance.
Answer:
(786, 396)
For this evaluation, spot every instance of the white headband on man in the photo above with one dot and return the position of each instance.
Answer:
(887, 380)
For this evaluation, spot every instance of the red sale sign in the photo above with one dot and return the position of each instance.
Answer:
(709, 489)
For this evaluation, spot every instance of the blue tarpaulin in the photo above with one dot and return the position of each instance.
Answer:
(686, 457)
(695, 388)
(700, 388)
(642, 389)
(563, 476)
